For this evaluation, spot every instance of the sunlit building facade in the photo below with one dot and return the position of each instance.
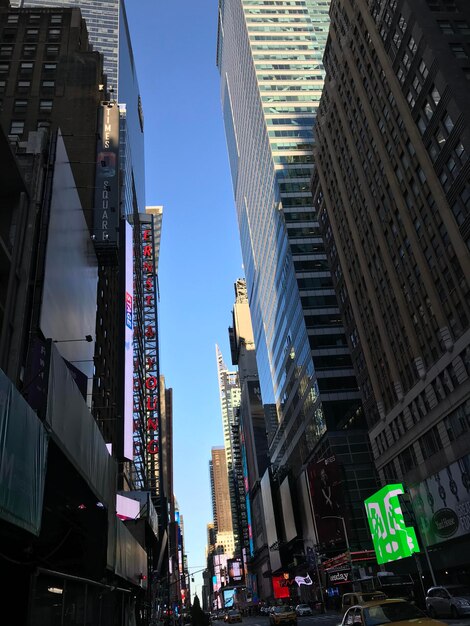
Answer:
(269, 56)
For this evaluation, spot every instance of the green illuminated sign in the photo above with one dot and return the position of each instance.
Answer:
(392, 539)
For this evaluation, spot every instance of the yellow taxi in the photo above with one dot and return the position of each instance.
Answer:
(282, 615)
(233, 616)
(389, 612)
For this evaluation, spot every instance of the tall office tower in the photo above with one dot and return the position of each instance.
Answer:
(230, 394)
(109, 33)
(270, 61)
(253, 440)
(392, 187)
(221, 509)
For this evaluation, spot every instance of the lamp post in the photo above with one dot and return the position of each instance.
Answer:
(346, 538)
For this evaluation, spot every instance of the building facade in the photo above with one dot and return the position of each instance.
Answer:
(269, 55)
(392, 189)
(270, 62)
(221, 509)
(109, 33)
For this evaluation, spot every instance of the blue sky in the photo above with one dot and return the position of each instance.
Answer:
(187, 171)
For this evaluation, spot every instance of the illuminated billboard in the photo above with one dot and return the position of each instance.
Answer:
(128, 297)
(229, 598)
(392, 539)
(280, 587)
(235, 571)
(106, 214)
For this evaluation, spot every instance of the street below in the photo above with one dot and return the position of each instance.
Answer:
(324, 619)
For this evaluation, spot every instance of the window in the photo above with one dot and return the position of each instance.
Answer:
(459, 51)
(4, 67)
(54, 34)
(49, 67)
(3, 84)
(6, 52)
(446, 27)
(13, 18)
(20, 106)
(26, 67)
(462, 28)
(52, 51)
(9, 34)
(17, 127)
(48, 84)
(423, 70)
(407, 459)
(448, 123)
(45, 105)
(24, 85)
(29, 51)
(457, 423)
(56, 18)
(435, 95)
(430, 443)
(32, 34)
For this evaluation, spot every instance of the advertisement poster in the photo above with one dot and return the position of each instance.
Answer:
(280, 587)
(326, 488)
(229, 598)
(441, 503)
(235, 571)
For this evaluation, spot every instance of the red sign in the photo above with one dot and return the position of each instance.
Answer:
(280, 589)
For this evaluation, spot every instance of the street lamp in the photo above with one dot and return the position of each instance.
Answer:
(346, 538)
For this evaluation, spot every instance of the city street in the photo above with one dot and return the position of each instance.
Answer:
(326, 619)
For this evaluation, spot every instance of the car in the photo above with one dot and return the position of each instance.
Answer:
(448, 600)
(391, 611)
(282, 615)
(303, 609)
(233, 616)
(359, 597)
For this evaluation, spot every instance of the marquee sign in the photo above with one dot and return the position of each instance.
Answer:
(106, 214)
(146, 366)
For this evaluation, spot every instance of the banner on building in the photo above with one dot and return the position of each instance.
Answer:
(235, 571)
(106, 216)
(441, 503)
(326, 488)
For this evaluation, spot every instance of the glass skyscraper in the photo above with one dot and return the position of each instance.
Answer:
(109, 34)
(269, 54)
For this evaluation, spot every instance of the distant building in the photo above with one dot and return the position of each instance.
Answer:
(221, 508)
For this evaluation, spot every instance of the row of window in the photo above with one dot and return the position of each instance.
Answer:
(54, 18)
(27, 67)
(30, 34)
(30, 51)
(456, 423)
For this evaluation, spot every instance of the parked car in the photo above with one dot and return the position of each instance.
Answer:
(282, 615)
(359, 597)
(449, 600)
(303, 609)
(387, 612)
(233, 616)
